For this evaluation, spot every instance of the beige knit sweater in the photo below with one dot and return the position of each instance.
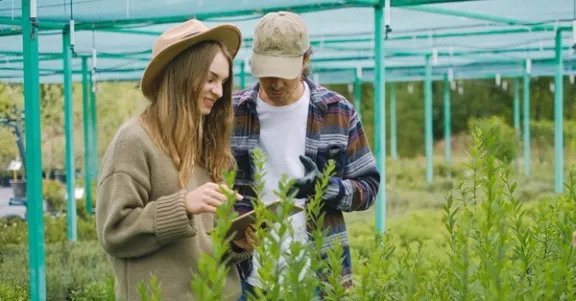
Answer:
(142, 222)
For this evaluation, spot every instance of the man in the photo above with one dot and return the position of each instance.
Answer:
(299, 126)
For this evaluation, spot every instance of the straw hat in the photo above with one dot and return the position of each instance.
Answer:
(177, 39)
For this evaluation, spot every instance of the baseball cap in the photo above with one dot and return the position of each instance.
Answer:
(280, 42)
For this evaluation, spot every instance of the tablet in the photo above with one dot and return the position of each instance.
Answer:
(241, 223)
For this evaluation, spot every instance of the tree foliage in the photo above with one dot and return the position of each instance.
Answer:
(115, 103)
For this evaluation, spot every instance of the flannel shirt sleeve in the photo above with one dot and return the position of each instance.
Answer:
(357, 188)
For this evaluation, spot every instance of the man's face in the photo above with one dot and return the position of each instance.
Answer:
(281, 91)
(278, 90)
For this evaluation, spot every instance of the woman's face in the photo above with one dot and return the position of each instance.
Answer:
(213, 89)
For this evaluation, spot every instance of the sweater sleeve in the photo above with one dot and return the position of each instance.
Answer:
(237, 255)
(130, 224)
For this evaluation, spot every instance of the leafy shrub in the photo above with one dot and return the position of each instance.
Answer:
(97, 291)
(296, 284)
(493, 246)
(10, 291)
(542, 134)
(504, 145)
(496, 247)
(15, 231)
(54, 192)
(490, 241)
(71, 268)
(66, 262)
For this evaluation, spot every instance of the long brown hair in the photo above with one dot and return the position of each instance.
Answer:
(175, 123)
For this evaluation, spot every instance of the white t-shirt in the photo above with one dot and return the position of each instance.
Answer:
(283, 140)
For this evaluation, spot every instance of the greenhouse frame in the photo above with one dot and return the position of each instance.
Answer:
(354, 41)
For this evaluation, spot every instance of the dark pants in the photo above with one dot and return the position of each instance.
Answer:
(246, 288)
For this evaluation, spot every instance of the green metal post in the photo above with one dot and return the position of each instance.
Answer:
(558, 116)
(393, 132)
(358, 92)
(93, 129)
(428, 119)
(447, 125)
(87, 147)
(242, 75)
(379, 115)
(35, 210)
(69, 135)
(517, 115)
(526, 122)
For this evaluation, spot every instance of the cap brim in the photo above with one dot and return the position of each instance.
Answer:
(229, 35)
(276, 66)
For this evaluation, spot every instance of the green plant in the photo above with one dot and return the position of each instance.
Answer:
(296, 279)
(497, 247)
(54, 194)
(503, 146)
(11, 291)
(495, 237)
(209, 282)
(97, 291)
(66, 268)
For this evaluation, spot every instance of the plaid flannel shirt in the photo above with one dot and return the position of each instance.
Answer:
(333, 132)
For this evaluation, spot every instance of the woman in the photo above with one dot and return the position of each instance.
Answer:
(157, 191)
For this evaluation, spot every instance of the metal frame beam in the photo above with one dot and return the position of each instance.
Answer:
(69, 130)
(458, 68)
(464, 14)
(559, 115)
(380, 116)
(34, 199)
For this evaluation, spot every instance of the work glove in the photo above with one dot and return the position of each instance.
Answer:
(304, 187)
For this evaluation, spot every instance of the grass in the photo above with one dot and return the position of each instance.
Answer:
(408, 193)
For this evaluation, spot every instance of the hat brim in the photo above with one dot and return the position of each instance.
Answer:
(227, 34)
(276, 66)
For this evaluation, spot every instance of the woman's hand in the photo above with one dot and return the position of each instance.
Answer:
(249, 240)
(206, 198)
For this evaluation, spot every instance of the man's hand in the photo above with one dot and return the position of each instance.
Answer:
(248, 242)
(305, 186)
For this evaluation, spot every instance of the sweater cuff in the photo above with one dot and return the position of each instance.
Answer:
(237, 254)
(172, 221)
(240, 256)
(332, 190)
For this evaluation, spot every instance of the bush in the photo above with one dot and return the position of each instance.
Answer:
(504, 145)
(15, 231)
(66, 262)
(495, 247)
(542, 138)
(487, 243)
(13, 292)
(71, 268)
(492, 247)
(295, 284)
(54, 192)
(98, 291)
